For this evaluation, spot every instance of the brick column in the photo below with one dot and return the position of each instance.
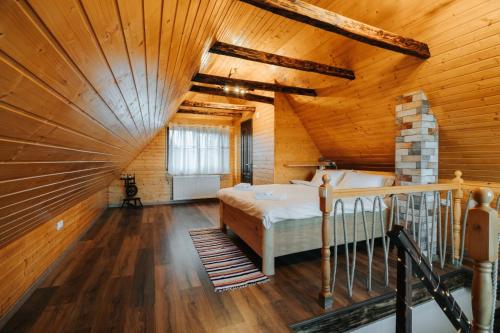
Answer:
(417, 155)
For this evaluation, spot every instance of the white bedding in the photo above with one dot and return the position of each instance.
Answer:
(301, 202)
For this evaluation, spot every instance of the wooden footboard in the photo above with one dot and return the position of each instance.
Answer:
(251, 230)
(285, 237)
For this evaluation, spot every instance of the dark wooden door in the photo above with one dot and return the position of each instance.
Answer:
(246, 152)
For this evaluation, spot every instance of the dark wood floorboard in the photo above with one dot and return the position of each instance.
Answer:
(138, 271)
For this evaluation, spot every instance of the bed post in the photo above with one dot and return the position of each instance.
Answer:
(325, 204)
(457, 214)
(268, 251)
(223, 226)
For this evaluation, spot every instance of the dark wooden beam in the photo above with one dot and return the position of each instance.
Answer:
(223, 81)
(278, 60)
(321, 18)
(196, 109)
(219, 106)
(221, 92)
(211, 113)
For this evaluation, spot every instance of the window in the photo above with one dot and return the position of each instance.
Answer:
(198, 150)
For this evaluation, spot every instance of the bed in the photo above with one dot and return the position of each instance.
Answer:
(290, 222)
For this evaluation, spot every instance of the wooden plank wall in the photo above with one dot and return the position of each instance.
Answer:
(263, 144)
(84, 86)
(292, 144)
(28, 257)
(150, 169)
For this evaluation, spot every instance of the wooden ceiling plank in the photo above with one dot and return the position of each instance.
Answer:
(221, 92)
(221, 106)
(184, 13)
(218, 10)
(110, 43)
(220, 80)
(324, 19)
(132, 26)
(165, 45)
(278, 60)
(152, 15)
(190, 43)
(41, 100)
(73, 34)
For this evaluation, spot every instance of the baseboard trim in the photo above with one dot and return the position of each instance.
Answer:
(170, 202)
(19, 303)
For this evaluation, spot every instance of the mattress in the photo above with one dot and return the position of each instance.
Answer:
(298, 202)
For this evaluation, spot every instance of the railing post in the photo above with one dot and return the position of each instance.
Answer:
(482, 240)
(457, 214)
(404, 292)
(325, 204)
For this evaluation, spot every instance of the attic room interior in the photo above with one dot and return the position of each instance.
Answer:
(249, 165)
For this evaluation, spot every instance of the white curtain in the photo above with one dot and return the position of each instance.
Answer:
(198, 150)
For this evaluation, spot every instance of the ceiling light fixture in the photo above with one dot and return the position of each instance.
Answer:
(234, 89)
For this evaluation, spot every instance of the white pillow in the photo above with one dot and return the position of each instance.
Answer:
(389, 178)
(361, 180)
(335, 177)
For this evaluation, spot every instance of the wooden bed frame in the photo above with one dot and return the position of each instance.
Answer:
(284, 237)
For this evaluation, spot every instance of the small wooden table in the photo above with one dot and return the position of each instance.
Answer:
(132, 202)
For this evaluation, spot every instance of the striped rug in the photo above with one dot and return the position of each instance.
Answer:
(227, 266)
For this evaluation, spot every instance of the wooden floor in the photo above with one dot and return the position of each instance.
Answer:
(137, 271)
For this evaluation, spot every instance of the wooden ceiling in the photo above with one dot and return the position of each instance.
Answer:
(352, 121)
(85, 84)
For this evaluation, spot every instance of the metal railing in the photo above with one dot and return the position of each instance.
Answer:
(430, 214)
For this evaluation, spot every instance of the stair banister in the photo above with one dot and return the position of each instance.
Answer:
(482, 239)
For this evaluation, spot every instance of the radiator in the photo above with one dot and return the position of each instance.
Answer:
(195, 187)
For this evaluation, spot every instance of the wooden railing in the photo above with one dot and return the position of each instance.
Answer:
(329, 195)
(482, 234)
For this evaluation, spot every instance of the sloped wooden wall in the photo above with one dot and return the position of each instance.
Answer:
(24, 260)
(84, 85)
